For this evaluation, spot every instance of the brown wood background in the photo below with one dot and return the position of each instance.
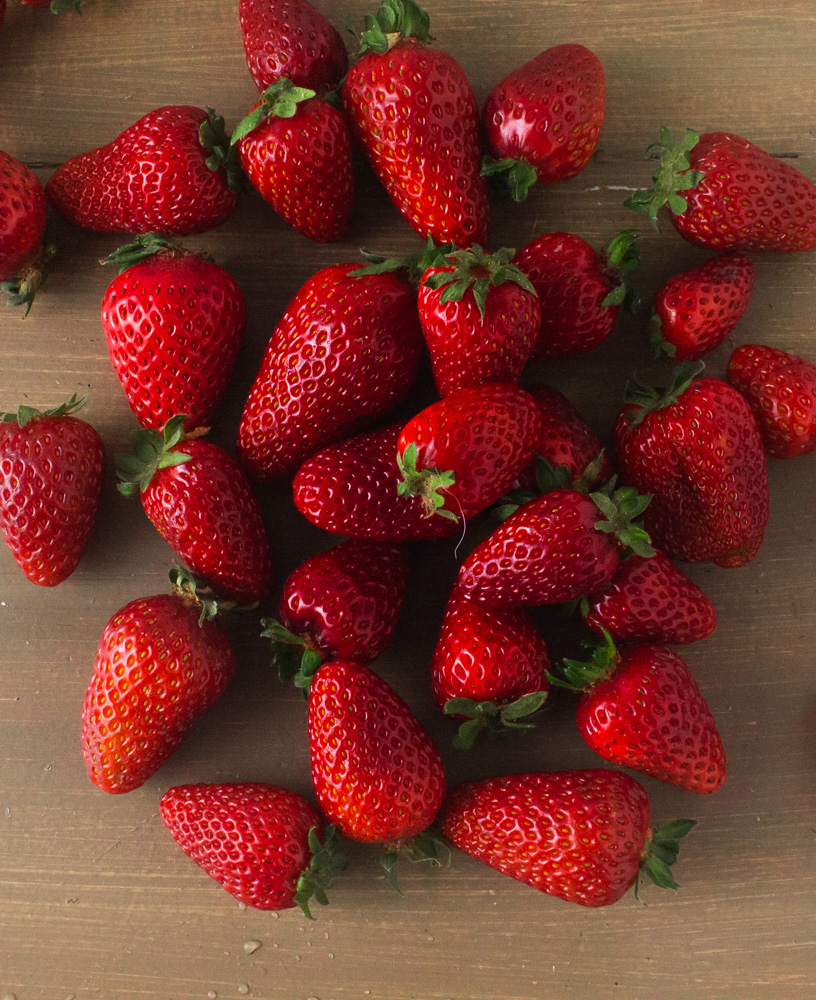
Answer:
(96, 901)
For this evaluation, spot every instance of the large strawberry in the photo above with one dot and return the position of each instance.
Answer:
(51, 467)
(201, 503)
(583, 836)
(544, 119)
(413, 111)
(265, 845)
(345, 351)
(725, 193)
(174, 323)
(22, 231)
(169, 172)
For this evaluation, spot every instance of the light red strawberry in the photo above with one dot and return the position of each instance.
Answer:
(22, 232)
(51, 468)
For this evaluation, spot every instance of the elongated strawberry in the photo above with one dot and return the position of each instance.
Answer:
(51, 468)
(174, 323)
(725, 193)
(265, 845)
(544, 119)
(781, 390)
(413, 111)
(23, 255)
(583, 836)
(579, 290)
(201, 503)
(170, 172)
(345, 351)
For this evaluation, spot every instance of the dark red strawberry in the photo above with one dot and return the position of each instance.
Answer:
(265, 845)
(781, 390)
(22, 232)
(579, 290)
(583, 836)
(169, 172)
(174, 323)
(51, 467)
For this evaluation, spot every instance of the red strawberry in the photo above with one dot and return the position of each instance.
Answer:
(174, 323)
(296, 150)
(22, 231)
(696, 310)
(51, 466)
(641, 708)
(260, 842)
(696, 448)
(781, 390)
(200, 502)
(345, 351)
(413, 111)
(169, 172)
(291, 38)
(161, 663)
(735, 196)
(583, 836)
(579, 290)
(544, 119)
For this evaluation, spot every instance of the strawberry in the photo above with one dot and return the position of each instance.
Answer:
(22, 232)
(413, 111)
(200, 502)
(781, 390)
(296, 151)
(579, 290)
(544, 119)
(696, 448)
(51, 467)
(292, 39)
(641, 708)
(583, 836)
(261, 843)
(174, 323)
(161, 663)
(169, 172)
(345, 351)
(696, 310)
(735, 196)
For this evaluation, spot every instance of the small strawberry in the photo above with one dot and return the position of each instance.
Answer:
(544, 119)
(296, 151)
(161, 663)
(735, 196)
(583, 836)
(413, 111)
(696, 310)
(51, 467)
(579, 290)
(174, 323)
(781, 390)
(22, 232)
(170, 172)
(261, 843)
(200, 502)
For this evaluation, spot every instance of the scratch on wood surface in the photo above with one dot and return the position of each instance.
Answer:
(124, 836)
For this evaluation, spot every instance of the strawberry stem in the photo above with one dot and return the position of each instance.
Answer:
(479, 271)
(151, 452)
(673, 174)
(279, 100)
(428, 484)
(213, 137)
(395, 20)
(582, 675)
(195, 590)
(648, 397)
(421, 847)
(22, 289)
(622, 257)
(142, 248)
(416, 264)
(326, 862)
(620, 509)
(26, 413)
(497, 721)
(295, 657)
(509, 178)
(660, 853)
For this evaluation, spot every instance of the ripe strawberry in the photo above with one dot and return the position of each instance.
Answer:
(413, 112)
(345, 351)
(51, 467)
(169, 172)
(583, 836)
(544, 119)
(22, 231)
(174, 323)
(200, 502)
(696, 448)
(781, 390)
(579, 290)
(735, 196)
(641, 708)
(296, 151)
(696, 310)
(161, 663)
(292, 39)
(260, 842)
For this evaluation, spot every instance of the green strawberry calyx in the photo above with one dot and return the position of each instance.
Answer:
(394, 20)
(648, 398)
(550, 477)
(620, 508)
(475, 270)
(660, 346)
(213, 137)
(195, 591)
(23, 287)
(415, 264)
(326, 862)
(153, 450)
(279, 100)
(509, 178)
(622, 257)
(25, 413)
(660, 853)
(295, 656)
(673, 174)
(497, 721)
(428, 484)
(583, 675)
(421, 847)
(144, 247)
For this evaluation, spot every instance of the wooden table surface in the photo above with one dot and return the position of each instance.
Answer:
(96, 900)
